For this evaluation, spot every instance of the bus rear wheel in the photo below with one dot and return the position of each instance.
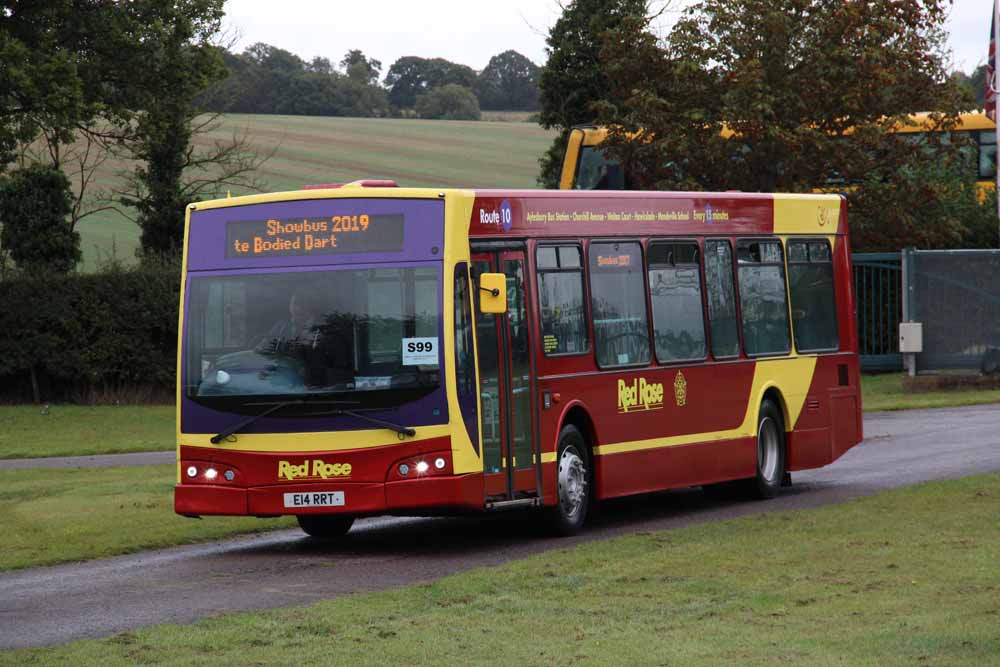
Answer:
(573, 483)
(770, 452)
(325, 526)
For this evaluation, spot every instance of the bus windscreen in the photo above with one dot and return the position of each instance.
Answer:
(342, 332)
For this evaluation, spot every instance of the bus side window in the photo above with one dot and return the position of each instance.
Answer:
(675, 292)
(721, 299)
(814, 305)
(763, 301)
(987, 154)
(618, 304)
(560, 300)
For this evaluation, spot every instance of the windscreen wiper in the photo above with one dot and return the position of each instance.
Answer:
(272, 407)
(402, 430)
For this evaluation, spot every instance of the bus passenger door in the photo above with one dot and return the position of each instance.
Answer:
(506, 386)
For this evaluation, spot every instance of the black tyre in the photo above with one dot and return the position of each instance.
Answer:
(573, 476)
(325, 526)
(770, 452)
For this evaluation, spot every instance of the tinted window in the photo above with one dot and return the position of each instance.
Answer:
(721, 299)
(465, 367)
(618, 303)
(560, 298)
(597, 172)
(675, 292)
(814, 306)
(762, 297)
(987, 154)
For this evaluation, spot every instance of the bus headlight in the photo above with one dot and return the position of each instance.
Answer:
(192, 471)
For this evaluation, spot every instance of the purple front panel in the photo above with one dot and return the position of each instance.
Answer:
(423, 234)
(423, 231)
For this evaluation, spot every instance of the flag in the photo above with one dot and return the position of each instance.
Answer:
(991, 66)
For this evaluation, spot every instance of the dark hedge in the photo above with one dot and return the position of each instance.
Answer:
(110, 334)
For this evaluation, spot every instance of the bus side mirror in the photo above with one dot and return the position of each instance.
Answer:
(493, 293)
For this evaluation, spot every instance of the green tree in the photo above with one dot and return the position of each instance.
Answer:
(772, 95)
(575, 75)
(35, 203)
(178, 63)
(411, 76)
(360, 68)
(510, 81)
(449, 102)
(978, 84)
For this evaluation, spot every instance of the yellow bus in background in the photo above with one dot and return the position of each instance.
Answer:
(585, 166)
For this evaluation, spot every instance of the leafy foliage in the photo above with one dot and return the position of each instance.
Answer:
(449, 102)
(411, 76)
(510, 81)
(77, 333)
(576, 75)
(360, 68)
(34, 205)
(268, 80)
(770, 95)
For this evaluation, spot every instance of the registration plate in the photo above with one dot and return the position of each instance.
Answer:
(315, 499)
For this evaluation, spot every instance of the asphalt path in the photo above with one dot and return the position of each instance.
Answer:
(93, 461)
(57, 604)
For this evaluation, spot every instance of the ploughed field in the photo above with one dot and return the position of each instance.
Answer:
(309, 150)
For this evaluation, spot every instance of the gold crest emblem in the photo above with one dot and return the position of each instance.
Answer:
(680, 389)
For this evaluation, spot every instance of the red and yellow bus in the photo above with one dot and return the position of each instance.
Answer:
(354, 351)
(586, 167)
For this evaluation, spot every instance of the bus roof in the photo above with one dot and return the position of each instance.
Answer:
(574, 213)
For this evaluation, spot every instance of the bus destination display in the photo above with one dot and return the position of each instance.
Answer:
(314, 236)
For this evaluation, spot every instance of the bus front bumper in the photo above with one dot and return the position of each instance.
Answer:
(460, 492)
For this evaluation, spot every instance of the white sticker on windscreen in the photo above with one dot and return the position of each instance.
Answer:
(417, 351)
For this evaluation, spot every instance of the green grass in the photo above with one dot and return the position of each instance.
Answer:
(60, 515)
(908, 577)
(426, 153)
(69, 430)
(76, 430)
(885, 392)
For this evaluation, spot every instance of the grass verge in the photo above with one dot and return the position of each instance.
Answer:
(78, 430)
(907, 577)
(885, 392)
(56, 515)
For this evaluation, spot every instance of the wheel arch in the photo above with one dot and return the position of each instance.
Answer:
(773, 394)
(576, 414)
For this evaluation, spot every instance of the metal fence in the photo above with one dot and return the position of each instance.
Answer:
(878, 289)
(955, 295)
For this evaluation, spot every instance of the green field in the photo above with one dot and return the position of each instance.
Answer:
(426, 153)
(907, 577)
(31, 431)
(61, 515)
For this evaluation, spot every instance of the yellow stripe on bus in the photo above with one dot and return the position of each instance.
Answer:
(790, 376)
(331, 441)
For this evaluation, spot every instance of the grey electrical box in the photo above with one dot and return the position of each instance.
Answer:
(911, 337)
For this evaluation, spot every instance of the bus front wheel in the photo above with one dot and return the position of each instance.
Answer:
(770, 452)
(573, 483)
(325, 526)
